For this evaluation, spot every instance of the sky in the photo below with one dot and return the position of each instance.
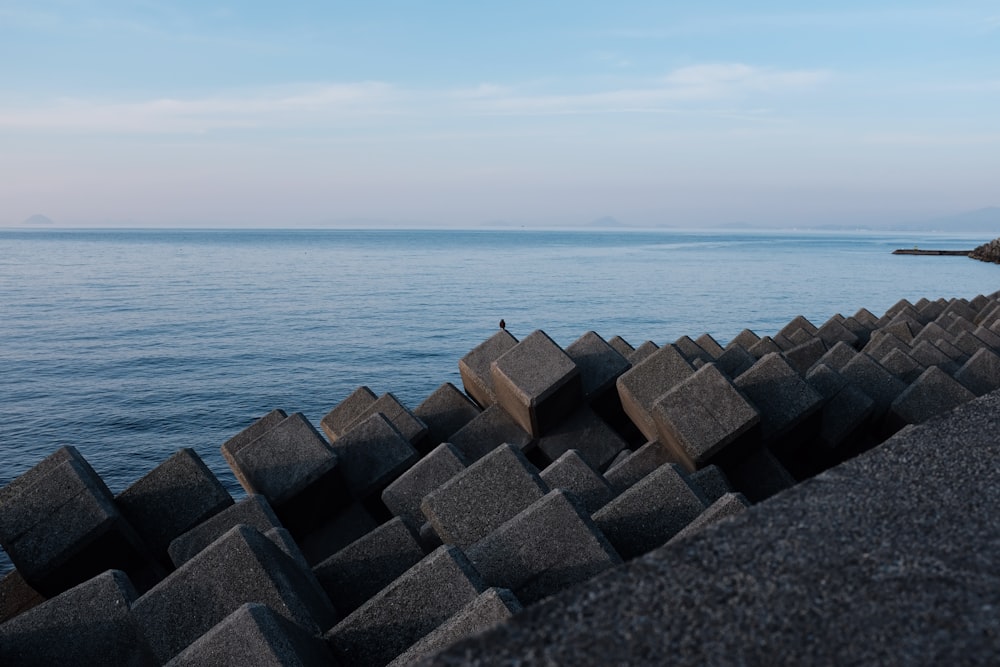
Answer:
(534, 114)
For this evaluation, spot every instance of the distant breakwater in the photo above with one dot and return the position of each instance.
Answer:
(988, 252)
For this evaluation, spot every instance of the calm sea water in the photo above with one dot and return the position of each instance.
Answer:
(132, 344)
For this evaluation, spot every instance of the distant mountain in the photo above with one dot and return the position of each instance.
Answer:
(606, 222)
(986, 220)
(38, 219)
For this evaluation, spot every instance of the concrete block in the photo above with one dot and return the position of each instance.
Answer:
(865, 317)
(492, 606)
(477, 500)
(782, 397)
(764, 347)
(799, 322)
(372, 454)
(759, 476)
(256, 635)
(902, 365)
(711, 481)
(882, 343)
(621, 346)
(444, 412)
(846, 412)
(903, 327)
(833, 331)
(838, 356)
(931, 394)
(646, 381)
(901, 306)
(253, 511)
(363, 568)
(729, 504)
(622, 456)
(644, 350)
(930, 311)
(981, 373)
(474, 367)
(734, 360)
(171, 499)
(978, 302)
(638, 464)
(932, 332)
(651, 511)
(927, 354)
(804, 355)
(599, 365)
(859, 329)
(691, 350)
(549, 546)
(536, 383)
(991, 339)
(571, 473)
(241, 566)
(710, 345)
(251, 433)
(336, 422)
(404, 495)
(957, 325)
(420, 600)
(951, 350)
(870, 377)
(487, 431)
(409, 426)
(969, 343)
(342, 528)
(794, 339)
(595, 441)
(745, 339)
(16, 596)
(960, 308)
(701, 416)
(88, 624)
(429, 540)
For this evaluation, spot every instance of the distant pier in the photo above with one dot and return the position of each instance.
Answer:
(916, 251)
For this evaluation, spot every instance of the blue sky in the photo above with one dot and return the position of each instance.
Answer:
(532, 113)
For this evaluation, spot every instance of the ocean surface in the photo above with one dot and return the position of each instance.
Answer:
(132, 344)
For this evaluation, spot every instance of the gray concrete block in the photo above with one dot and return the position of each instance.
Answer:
(691, 350)
(409, 425)
(372, 454)
(549, 546)
(621, 346)
(424, 597)
(838, 356)
(931, 394)
(492, 606)
(779, 393)
(969, 343)
(638, 464)
(336, 422)
(254, 511)
(16, 596)
(444, 412)
(961, 308)
(404, 495)
(342, 528)
(536, 383)
(847, 408)
(804, 355)
(901, 306)
(256, 635)
(571, 473)
(759, 476)
(474, 367)
(734, 360)
(644, 350)
(710, 345)
(882, 343)
(956, 325)
(764, 347)
(859, 329)
(651, 511)
(711, 481)
(932, 332)
(429, 540)
(865, 317)
(88, 624)
(799, 322)
(902, 365)
(981, 373)
(903, 327)
(745, 339)
(833, 331)
(640, 386)
(599, 364)
(475, 501)
(363, 568)
(251, 433)
(241, 566)
(870, 377)
(171, 499)
(622, 456)
(988, 337)
(729, 504)
(930, 311)
(927, 354)
(595, 441)
(700, 416)
(487, 431)
(951, 350)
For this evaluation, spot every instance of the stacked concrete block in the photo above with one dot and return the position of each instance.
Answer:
(637, 465)
(727, 505)
(981, 373)
(932, 332)
(969, 343)
(859, 329)
(838, 356)
(241, 566)
(595, 441)
(902, 365)
(734, 360)
(804, 355)
(253, 511)
(336, 422)
(710, 345)
(927, 354)
(951, 350)
(834, 331)
(444, 412)
(251, 433)
(254, 634)
(487, 431)
(870, 377)
(571, 473)
(409, 426)
(903, 327)
(171, 499)
(403, 496)
(931, 394)
(866, 318)
(765, 346)
(621, 346)
(599, 365)
(956, 325)
(552, 544)
(702, 415)
(413, 605)
(492, 606)
(645, 382)
(789, 336)
(477, 500)
(759, 476)
(536, 383)
(692, 351)
(60, 526)
(363, 568)
(88, 624)
(474, 367)
(882, 343)
(344, 526)
(745, 339)
(372, 454)
(779, 393)
(644, 350)
(989, 338)
(16, 596)
(711, 481)
(847, 409)
(651, 511)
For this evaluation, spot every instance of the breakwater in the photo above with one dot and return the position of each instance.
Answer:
(392, 532)
(987, 252)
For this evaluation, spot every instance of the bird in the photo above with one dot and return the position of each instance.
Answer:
(503, 325)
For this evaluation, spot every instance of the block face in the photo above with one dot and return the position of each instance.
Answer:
(691, 350)
(799, 322)
(622, 346)
(477, 500)
(781, 396)
(710, 345)
(403, 496)
(803, 356)
(408, 425)
(571, 473)
(474, 367)
(649, 379)
(727, 505)
(336, 422)
(363, 568)
(650, 512)
(711, 481)
(734, 360)
(931, 394)
(927, 354)
(595, 441)
(536, 383)
(252, 511)
(838, 356)
(637, 465)
(490, 429)
(445, 412)
(981, 373)
(174, 497)
(902, 365)
(834, 331)
(251, 433)
(866, 373)
(701, 415)
(644, 350)
(549, 546)
(599, 364)
(745, 339)
(372, 454)
(413, 605)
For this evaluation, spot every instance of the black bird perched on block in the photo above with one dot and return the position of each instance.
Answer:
(503, 325)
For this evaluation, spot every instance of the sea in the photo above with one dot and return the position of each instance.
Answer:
(131, 344)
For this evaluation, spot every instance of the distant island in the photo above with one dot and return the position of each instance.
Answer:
(38, 219)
